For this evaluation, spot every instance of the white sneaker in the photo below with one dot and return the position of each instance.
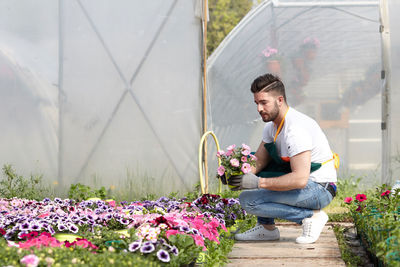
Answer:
(258, 233)
(312, 228)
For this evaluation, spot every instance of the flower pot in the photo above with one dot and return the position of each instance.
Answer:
(229, 176)
(274, 67)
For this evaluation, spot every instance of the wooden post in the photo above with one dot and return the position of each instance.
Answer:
(205, 15)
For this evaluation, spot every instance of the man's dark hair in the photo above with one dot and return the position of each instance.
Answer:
(268, 83)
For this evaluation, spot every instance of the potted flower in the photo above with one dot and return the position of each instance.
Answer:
(235, 161)
(273, 60)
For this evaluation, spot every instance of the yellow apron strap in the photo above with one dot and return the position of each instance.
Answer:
(280, 126)
(336, 160)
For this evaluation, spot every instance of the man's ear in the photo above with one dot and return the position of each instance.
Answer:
(281, 99)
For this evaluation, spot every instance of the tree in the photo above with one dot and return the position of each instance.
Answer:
(224, 16)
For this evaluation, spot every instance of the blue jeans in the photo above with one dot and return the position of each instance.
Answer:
(293, 205)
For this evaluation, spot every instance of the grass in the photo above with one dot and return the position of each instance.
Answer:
(349, 257)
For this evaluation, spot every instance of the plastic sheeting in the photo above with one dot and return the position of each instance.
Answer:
(102, 92)
(394, 20)
(329, 58)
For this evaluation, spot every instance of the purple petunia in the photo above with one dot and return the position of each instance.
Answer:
(61, 227)
(184, 229)
(51, 230)
(124, 221)
(163, 255)
(73, 228)
(35, 227)
(24, 227)
(174, 250)
(134, 245)
(147, 247)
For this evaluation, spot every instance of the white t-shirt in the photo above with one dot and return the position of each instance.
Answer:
(301, 133)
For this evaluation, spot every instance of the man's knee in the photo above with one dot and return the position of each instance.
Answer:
(246, 199)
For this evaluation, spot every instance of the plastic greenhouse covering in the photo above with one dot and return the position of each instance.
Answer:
(328, 54)
(110, 92)
(102, 92)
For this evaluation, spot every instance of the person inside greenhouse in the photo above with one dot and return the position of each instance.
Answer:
(294, 175)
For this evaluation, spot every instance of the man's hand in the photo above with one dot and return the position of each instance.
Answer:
(246, 181)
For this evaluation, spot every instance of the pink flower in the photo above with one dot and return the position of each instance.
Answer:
(220, 153)
(245, 147)
(244, 159)
(252, 157)
(199, 241)
(246, 152)
(221, 170)
(348, 200)
(229, 153)
(30, 260)
(231, 147)
(111, 203)
(234, 162)
(361, 197)
(386, 193)
(269, 51)
(44, 215)
(173, 232)
(246, 168)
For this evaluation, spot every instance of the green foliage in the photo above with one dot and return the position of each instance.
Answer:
(350, 258)
(81, 192)
(224, 16)
(347, 187)
(217, 254)
(14, 185)
(195, 193)
(149, 196)
(188, 251)
(340, 217)
(77, 256)
(377, 218)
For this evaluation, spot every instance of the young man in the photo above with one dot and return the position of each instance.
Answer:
(294, 177)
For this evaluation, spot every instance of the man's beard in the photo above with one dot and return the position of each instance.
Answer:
(272, 116)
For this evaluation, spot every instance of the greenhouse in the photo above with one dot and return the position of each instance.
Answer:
(104, 102)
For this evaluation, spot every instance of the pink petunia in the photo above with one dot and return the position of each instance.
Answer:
(245, 147)
(246, 152)
(30, 260)
(221, 170)
(243, 159)
(229, 153)
(231, 147)
(361, 197)
(386, 193)
(220, 153)
(348, 200)
(234, 162)
(173, 232)
(246, 168)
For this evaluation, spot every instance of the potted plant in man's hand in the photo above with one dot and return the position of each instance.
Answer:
(235, 161)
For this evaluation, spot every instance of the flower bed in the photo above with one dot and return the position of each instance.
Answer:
(377, 219)
(98, 233)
